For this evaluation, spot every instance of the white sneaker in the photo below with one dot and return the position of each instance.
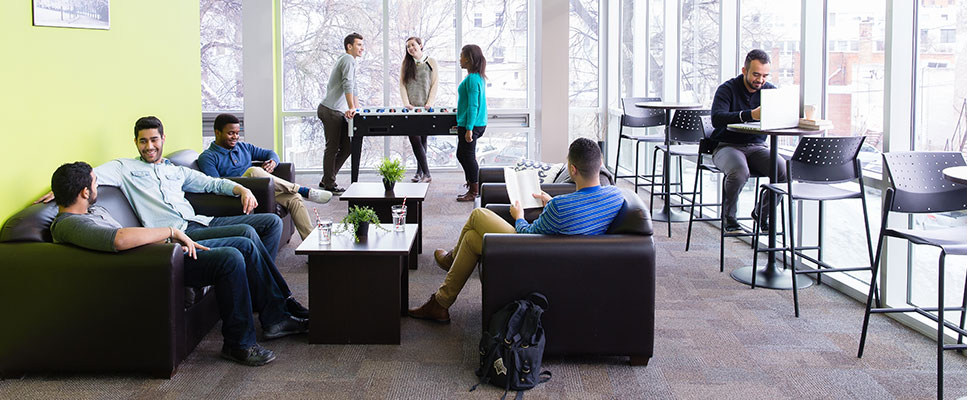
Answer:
(319, 196)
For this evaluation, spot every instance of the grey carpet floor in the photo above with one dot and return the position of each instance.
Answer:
(714, 338)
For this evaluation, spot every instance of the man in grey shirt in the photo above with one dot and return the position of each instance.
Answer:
(336, 109)
(220, 262)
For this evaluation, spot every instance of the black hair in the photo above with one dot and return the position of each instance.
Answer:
(758, 55)
(69, 180)
(224, 119)
(585, 155)
(409, 66)
(350, 39)
(149, 122)
(478, 63)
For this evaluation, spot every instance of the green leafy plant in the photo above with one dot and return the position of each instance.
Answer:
(391, 170)
(357, 215)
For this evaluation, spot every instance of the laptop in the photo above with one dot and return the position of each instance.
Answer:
(780, 109)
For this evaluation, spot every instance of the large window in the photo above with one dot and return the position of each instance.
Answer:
(941, 120)
(312, 35)
(773, 26)
(700, 50)
(583, 63)
(221, 55)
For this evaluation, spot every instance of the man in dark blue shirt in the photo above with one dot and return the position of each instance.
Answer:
(736, 101)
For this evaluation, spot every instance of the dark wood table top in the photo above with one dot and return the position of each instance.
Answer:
(375, 191)
(956, 174)
(378, 242)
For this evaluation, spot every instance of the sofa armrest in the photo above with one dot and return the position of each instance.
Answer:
(81, 310)
(490, 175)
(496, 193)
(285, 171)
(600, 289)
(219, 206)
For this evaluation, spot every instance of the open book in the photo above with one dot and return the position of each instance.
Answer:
(521, 185)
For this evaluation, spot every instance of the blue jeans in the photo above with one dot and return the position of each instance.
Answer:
(242, 285)
(263, 229)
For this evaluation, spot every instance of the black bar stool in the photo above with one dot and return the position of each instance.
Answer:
(917, 186)
(818, 164)
(705, 148)
(686, 131)
(638, 117)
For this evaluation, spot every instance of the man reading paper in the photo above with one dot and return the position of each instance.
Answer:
(587, 211)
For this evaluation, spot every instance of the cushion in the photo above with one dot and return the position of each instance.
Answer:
(546, 172)
(633, 217)
(32, 224)
(184, 158)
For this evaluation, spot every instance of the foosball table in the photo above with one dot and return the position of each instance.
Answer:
(397, 122)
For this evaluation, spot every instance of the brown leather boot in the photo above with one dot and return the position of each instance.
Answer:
(444, 259)
(471, 194)
(432, 311)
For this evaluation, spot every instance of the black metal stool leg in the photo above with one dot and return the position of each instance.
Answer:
(940, 327)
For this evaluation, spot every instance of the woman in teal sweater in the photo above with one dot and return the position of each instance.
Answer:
(471, 115)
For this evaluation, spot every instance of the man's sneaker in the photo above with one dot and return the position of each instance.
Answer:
(319, 196)
(296, 309)
(732, 225)
(335, 190)
(253, 356)
(286, 327)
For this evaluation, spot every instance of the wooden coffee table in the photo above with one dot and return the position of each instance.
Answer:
(359, 290)
(375, 196)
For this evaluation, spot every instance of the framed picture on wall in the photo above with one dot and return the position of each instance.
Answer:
(88, 14)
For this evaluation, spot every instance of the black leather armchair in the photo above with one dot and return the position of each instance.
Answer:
(601, 289)
(67, 309)
(262, 188)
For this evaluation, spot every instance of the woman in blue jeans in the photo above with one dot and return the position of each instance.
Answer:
(471, 115)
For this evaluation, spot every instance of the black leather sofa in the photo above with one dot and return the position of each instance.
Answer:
(67, 309)
(189, 158)
(601, 289)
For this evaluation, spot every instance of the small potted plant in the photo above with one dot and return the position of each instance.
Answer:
(360, 218)
(392, 171)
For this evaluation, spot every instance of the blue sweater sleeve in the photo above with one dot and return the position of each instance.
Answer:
(207, 164)
(547, 223)
(260, 154)
(473, 99)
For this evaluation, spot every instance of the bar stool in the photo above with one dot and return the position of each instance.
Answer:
(705, 148)
(686, 130)
(637, 117)
(818, 164)
(917, 186)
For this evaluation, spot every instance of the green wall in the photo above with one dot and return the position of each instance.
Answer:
(74, 94)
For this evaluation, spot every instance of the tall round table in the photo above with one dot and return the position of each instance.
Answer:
(667, 214)
(772, 276)
(956, 174)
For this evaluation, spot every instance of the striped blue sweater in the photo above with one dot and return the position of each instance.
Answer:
(588, 211)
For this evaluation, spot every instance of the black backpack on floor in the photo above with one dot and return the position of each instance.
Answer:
(512, 347)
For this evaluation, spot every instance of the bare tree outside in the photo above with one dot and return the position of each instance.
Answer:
(583, 51)
(221, 55)
(700, 50)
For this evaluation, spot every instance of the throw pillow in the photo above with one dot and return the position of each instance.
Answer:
(545, 171)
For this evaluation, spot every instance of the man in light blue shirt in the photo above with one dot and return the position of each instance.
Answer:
(156, 188)
(337, 109)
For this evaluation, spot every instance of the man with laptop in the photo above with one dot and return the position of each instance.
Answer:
(737, 101)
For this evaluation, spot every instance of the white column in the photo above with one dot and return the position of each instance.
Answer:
(729, 40)
(898, 94)
(672, 46)
(552, 82)
(812, 89)
(257, 73)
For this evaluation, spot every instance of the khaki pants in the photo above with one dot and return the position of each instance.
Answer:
(287, 194)
(467, 252)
